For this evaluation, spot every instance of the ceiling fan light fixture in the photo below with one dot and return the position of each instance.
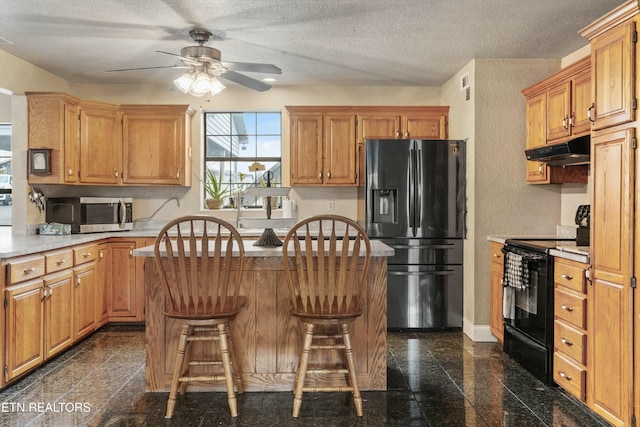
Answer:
(216, 86)
(185, 81)
(202, 83)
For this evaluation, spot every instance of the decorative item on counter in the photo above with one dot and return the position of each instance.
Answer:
(268, 237)
(37, 198)
(214, 188)
(54, 229)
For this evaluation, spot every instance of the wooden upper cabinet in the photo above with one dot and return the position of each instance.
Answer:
(557, 110)
(106, 144)
(158, 134)
(378, 126)
(306, 149)
(100, 144)
(54, 123)
(536, 114)
(423, 125)
(568, 105)
(340, 149)
(613, 73)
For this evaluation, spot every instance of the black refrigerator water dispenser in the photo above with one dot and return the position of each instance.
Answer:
(384, 206)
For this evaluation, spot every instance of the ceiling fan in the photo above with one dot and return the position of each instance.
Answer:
(205, 67)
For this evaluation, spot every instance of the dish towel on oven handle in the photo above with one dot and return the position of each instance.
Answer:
(517, 270)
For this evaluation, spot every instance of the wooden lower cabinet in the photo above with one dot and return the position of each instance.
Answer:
(58, 317)
(24, 339)
(496, 291)
(58, 297)
(570, 327)
(86, 284)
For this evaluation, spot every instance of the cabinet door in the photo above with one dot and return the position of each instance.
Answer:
(424, 126)
(558, 109)
(340, 149)
(103, 272)
(613, 67)
(609, 316)
(536, 113)
(71, 143)
(84, 299)
(580, 104)
(153, 148)
(306, 149)
(496, 291)
(378, 126)
(374, 126)
(58, 312)
(24, 342)
(100, 146)
(122, 298)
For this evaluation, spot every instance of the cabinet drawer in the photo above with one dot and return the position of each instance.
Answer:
(569, 376)
(570, 275)
(496, 253)
(58, 260)
(86, 253)
(571, 307)
(21, 269)
(570, 341)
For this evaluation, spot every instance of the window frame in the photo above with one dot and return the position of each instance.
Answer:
(231, 159)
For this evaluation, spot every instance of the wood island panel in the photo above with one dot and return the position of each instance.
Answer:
(266, 337)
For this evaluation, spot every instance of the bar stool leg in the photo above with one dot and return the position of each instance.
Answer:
(302, 369)
(171, 403)
(351, 367)
(182, 388)
(237, 376)
(226, 363)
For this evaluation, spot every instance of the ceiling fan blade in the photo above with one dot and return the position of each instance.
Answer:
(184, 58)
(252, 67)
(148, 68)
(246, 81)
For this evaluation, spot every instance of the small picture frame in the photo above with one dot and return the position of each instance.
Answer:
(40, 161)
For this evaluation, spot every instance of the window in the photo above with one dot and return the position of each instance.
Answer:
(6, 180)
(234, 141)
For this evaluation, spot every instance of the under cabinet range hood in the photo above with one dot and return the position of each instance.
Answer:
(573, 152)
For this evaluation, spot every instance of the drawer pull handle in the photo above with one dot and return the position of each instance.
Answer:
(566, 276)
(565, 341)
(29, 270)
(565, 376)
(86, 254)
(496, 255)
(567, 307)
(62, 261)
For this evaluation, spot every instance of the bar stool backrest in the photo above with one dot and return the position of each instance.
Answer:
(200, 260)
(327, 278)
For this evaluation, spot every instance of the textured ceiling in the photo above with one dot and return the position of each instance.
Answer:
(314, 42)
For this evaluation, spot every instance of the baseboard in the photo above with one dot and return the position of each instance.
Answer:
(479, 333)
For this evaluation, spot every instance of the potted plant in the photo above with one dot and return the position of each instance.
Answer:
(214, 189)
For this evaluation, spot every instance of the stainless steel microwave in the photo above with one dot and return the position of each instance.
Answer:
(91, 214)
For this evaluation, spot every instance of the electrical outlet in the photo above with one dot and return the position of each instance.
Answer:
(331, 205)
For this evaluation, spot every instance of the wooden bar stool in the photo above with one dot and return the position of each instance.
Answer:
(200, 260)
(326, 277)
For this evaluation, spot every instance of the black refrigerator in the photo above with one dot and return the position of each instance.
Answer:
(415, 203)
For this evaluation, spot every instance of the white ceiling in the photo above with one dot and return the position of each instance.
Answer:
(314, 42)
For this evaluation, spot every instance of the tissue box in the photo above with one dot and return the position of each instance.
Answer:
(54, 229)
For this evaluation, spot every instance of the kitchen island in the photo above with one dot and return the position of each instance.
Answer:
(266, 337)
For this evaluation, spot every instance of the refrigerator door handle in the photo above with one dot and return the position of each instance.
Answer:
(412, 190)
(418, 187)
(421, 273)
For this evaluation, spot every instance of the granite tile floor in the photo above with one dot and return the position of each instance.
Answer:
(434, 379)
